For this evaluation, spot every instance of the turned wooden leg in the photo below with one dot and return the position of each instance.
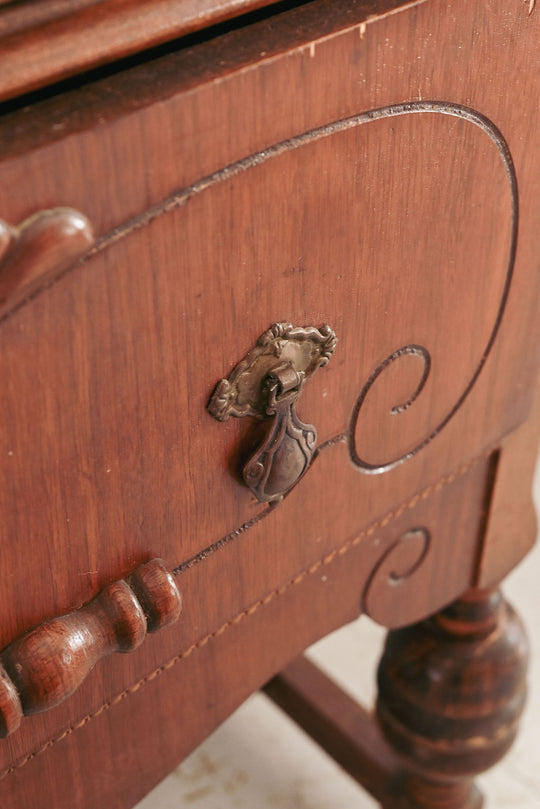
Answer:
(451, 690)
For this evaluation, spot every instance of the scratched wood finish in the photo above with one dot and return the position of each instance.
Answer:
(110, 368)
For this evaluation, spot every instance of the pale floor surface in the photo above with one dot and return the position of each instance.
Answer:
(259, 759)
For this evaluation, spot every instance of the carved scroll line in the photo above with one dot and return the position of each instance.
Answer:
(409, 350)
(313, 569)
(399, 578)
(385, 574)
(182, 195)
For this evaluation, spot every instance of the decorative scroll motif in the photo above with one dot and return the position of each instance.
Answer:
(397, 110)
(396, 566)
(493, 133)
(226, 173)
(50, 241)
(410, 350)
(226, 401)
(268, 382)
(257, 159)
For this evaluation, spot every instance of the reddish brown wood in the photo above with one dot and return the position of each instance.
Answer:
(44, 244)
(511, 501)
(44, 667)
(11, 711)
(50, 40)
(267, 174)
(451, 691)
(248, 617)
(339, 725)
(157, 594)
(126, 349)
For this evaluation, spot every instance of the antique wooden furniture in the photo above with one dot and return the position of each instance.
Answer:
(323, 216)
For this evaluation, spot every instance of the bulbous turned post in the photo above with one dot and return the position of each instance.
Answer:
(451, 691)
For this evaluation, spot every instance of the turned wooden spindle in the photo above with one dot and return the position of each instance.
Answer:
(42, 668)
(39, 248)
(451, 691)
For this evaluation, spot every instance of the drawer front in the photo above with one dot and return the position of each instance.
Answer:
(110, 369)
(391, 219)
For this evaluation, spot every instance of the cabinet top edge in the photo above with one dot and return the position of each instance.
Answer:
(31, 120)
(45, 42)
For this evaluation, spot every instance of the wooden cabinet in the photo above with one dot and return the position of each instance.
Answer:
(371, 168)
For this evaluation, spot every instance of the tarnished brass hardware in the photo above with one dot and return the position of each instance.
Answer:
(266, 384)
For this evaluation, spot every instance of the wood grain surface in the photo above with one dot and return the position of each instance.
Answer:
(451, 691)
(288, 171)
(192, 669)
(140, 334)
(38, 249)
(49, 40)
(45, 666)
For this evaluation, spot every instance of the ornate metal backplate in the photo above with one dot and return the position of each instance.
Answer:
(266, 384)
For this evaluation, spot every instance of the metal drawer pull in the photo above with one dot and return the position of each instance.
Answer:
(267, 383)
(45, 666)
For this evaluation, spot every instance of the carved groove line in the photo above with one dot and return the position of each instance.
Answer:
(181, 198)
(183, 195)
(410, 350)
(385, 575)
(220, 543)
(399, 578)
(256, 606)
(489, 128)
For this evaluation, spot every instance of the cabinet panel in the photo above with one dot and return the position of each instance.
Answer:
(282, 173)
(393, 227)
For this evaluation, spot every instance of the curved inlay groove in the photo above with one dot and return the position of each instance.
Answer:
(410, 350)
(183, 195)
(397, 565)
(314, 569)
(434, 107)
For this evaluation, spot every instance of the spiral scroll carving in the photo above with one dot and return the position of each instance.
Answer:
(395, 568)
(420, 351)
(409, 350)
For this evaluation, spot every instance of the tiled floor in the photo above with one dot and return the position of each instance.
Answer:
(259, 760)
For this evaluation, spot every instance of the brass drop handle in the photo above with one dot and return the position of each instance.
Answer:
(43, 667)
(267, 384)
